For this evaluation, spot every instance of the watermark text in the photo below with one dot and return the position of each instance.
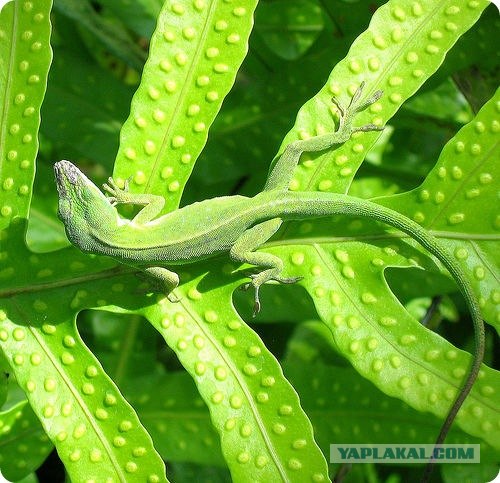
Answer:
(404, 453)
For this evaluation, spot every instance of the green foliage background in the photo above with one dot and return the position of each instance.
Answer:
(136, 382)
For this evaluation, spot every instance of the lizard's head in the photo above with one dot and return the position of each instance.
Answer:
(81, 204)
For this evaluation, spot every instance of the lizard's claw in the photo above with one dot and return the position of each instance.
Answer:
(291, 280)
(256, 307)
(111, 187)
(256, 301)
(254, 276)
(257, 281)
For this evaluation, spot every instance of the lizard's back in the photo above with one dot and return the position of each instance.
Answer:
(194, 232)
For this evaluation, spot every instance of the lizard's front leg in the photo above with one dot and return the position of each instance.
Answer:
(282, 171)
(164, 281)
(152, 204)
(243, 251)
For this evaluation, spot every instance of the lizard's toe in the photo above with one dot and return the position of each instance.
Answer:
(289, 279)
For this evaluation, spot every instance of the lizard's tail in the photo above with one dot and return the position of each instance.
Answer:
(325, 204)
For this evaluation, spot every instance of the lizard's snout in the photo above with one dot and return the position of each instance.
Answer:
(65, 170)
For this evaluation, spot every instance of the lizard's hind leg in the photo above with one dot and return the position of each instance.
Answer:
(243, 251)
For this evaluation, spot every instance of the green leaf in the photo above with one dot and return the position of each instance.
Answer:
(377, 335)
(457, 202)
(289, 27)
(96, 432)
(195, 53)
(265, 435)
(176, 409)
(25, 57)
(23, 443)
(473, 62)
(453, 473)
(81, 93)
(406, 44)
(345, 262)
(342, 404)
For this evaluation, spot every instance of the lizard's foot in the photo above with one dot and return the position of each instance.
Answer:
(355, 106)
(261, 278)
(347, 114)
(256, 303)
(117, 194)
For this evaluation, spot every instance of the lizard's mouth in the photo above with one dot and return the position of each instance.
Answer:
(67, 170)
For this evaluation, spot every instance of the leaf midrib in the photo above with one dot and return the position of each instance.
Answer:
(442, 212)
(230, 363)
(84, 408)
(186, 88)
(397, 348)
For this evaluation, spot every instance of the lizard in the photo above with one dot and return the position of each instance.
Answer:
(238, 225)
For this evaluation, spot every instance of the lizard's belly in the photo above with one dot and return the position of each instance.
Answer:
(208, 243)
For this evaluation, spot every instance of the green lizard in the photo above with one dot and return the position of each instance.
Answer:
(237, 225)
